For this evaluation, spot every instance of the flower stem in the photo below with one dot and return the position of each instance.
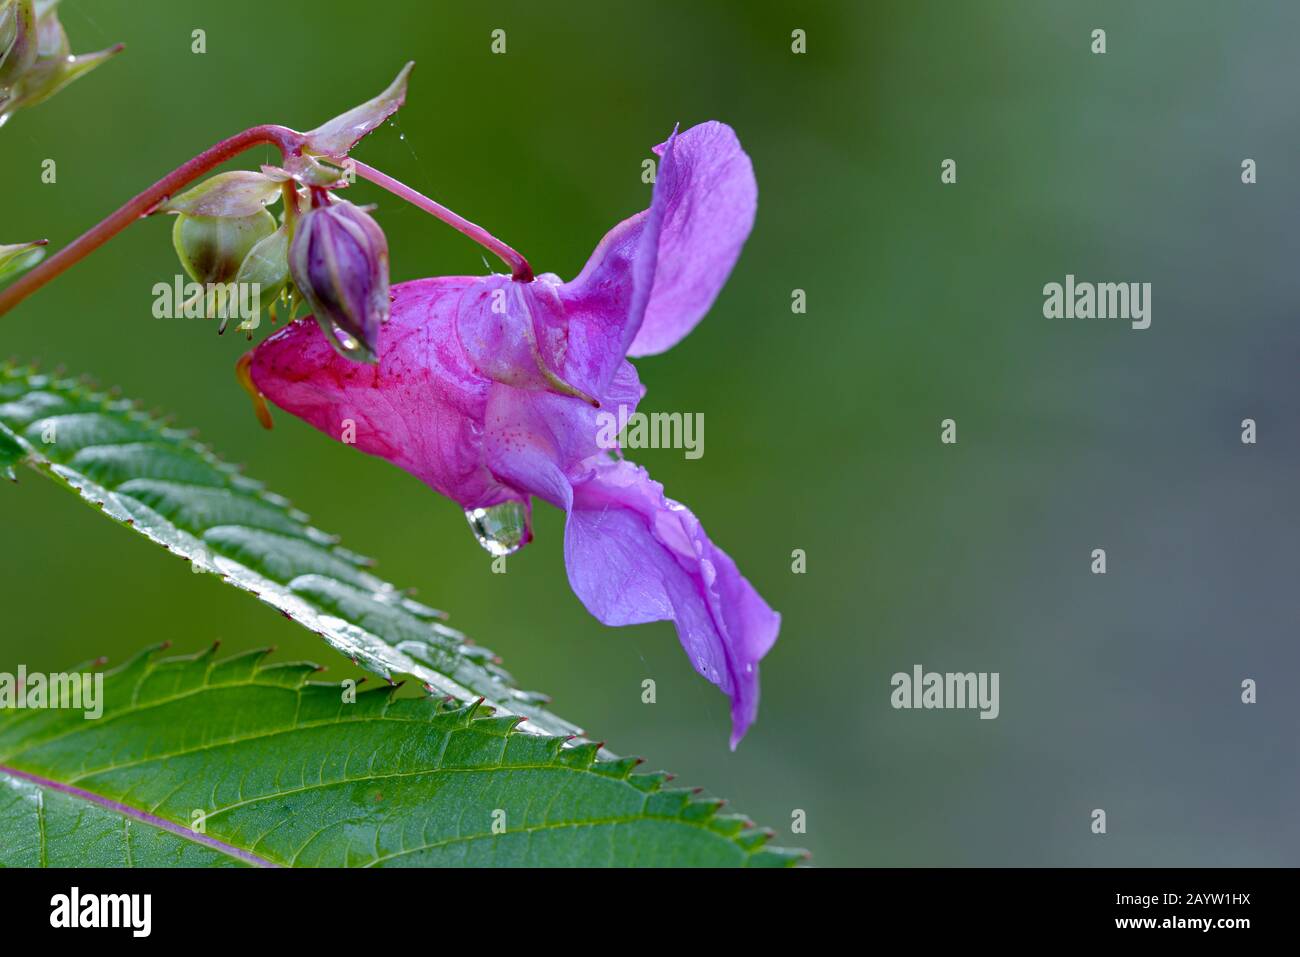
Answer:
(519, 268)
(142, 205)
(289, 143)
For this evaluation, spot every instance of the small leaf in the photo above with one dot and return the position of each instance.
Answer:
(335, 138)
(231, 195)
(20, 258)
(204, 762)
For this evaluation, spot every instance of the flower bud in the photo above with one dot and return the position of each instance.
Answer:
(212, 248)
(339, 263)
(20, 257)
(18, 40)
(36, 60)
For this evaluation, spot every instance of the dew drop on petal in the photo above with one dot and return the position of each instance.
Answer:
(501, 529)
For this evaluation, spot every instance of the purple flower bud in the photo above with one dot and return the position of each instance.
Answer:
(339, 262)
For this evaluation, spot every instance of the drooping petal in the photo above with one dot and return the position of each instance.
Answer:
(632, 555)
(700, 215)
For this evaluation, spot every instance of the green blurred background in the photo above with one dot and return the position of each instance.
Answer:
(924, 302)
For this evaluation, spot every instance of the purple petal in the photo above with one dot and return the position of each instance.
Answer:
(703, 209)
(634, 556)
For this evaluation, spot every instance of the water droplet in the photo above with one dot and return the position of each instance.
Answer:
(345, 341)
(345, 344)
(530, 697)
(502, 529)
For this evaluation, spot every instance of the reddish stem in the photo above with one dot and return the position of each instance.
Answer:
(519, 268)
(285, 139)
(289, 143)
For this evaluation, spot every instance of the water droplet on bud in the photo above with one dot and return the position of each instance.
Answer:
(345, 341)
(501, 529)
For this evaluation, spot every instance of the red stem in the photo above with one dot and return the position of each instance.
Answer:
(519, 268)
(142, 205)
(289, 143)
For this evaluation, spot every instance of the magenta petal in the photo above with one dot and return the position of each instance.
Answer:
(704, 203)
(420, 408)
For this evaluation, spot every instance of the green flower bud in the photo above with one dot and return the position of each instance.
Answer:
(36, 59)
(18, 40)
(20, 257)
(212, 248)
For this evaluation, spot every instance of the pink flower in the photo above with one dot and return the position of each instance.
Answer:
(489, 390)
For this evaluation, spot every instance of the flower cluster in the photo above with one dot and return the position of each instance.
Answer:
(488, 389)
(322, 250)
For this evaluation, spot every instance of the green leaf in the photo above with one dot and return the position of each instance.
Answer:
(278, 770)
(166, 486)
(11, 453)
